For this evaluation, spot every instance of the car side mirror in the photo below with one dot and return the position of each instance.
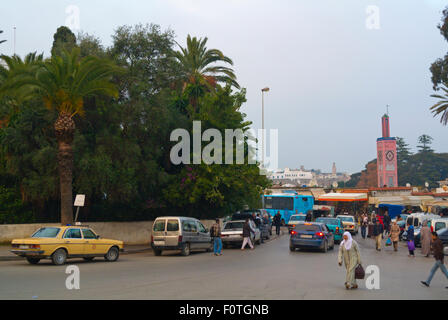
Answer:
(97, 236)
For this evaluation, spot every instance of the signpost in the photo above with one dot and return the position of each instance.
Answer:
(79, 202)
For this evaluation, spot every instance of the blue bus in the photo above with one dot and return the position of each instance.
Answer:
(287, 204)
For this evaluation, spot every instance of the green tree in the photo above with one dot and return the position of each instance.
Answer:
(403, 150)
(64, 82)
(441, 107)
(199, 69)
(63, 39)
(1, 41)
(425, 142)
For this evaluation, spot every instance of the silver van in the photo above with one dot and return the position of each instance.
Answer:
(179, 233)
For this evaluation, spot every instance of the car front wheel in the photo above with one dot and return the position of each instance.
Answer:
(59, 257)
(112, 254)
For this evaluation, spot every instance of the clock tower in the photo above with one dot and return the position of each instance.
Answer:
(386, 157)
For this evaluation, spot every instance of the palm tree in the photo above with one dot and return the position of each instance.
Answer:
(441, 107)
(196, 63)
(1, 41)
(63, 82)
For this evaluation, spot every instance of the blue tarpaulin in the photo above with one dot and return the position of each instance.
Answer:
(393, 209)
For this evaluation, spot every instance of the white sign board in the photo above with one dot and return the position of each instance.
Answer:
(79, 200)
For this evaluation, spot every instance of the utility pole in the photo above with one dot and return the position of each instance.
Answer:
(14, 41)
(266, 89)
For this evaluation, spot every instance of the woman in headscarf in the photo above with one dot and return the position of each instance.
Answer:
(425, 239)
(349, 251)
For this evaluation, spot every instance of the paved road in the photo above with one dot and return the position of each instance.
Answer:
(268, 272)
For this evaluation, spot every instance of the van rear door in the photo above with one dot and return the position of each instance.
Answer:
(172, 232)
(158, 232)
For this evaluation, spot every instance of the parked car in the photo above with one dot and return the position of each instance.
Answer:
(443, 235)
(439, 223)
(294, 220)
(349, 223)
(180, 233)
(232, 233)
(311, 235)
(66, 242)
(416, 219)
(264, 225)
(335, 226)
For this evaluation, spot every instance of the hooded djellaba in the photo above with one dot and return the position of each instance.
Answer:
(349, 252)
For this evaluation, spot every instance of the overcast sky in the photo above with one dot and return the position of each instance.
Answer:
(332, 66)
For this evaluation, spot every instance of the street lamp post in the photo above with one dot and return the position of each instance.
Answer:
(266, 89)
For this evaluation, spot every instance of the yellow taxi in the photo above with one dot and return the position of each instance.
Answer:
(65, 242)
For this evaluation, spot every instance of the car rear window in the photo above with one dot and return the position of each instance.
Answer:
(233, 225)
(159, 225)
(346, 219)
(328, 221)
(46, 233)
(172, 225)
(298, 218)
(307, 227)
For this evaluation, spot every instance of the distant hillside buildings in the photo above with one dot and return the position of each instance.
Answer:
(300, 177)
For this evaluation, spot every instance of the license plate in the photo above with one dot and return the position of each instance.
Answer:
(306, 236)
(159, 243)
(23, 247)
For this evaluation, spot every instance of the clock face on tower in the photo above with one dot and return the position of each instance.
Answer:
(390, 155)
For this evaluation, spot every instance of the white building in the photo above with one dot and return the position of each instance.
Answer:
(293, 176)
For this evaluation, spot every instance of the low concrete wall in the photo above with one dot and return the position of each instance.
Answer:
(138, 232)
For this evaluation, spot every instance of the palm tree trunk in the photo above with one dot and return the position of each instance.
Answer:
(64, 129)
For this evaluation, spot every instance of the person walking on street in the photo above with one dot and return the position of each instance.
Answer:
(378, 233)
(386, 222)
(395, 235)
(437, 249)
(349, 253)
(425, 239)
(411, 244)
(364, 225)
(277, 222)
(215, 233)
(309, 216)
(247, 230)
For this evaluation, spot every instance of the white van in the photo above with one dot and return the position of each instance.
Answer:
(179, 233)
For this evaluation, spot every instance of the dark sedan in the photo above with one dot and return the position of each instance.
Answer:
(311, 235)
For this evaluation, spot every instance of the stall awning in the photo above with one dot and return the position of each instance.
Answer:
(348, 197)
(414, 201)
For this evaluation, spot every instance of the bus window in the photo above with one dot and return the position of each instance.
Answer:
(279, 203)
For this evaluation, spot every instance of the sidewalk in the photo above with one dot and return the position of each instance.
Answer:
(6, 255)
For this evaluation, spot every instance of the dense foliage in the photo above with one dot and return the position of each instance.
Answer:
(121, 146)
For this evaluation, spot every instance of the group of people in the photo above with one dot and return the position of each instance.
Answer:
(349, 250)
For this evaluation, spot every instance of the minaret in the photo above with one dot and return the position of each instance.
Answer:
(333, 170)
(387, 156)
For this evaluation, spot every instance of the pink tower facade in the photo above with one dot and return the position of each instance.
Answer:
(386, 156)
